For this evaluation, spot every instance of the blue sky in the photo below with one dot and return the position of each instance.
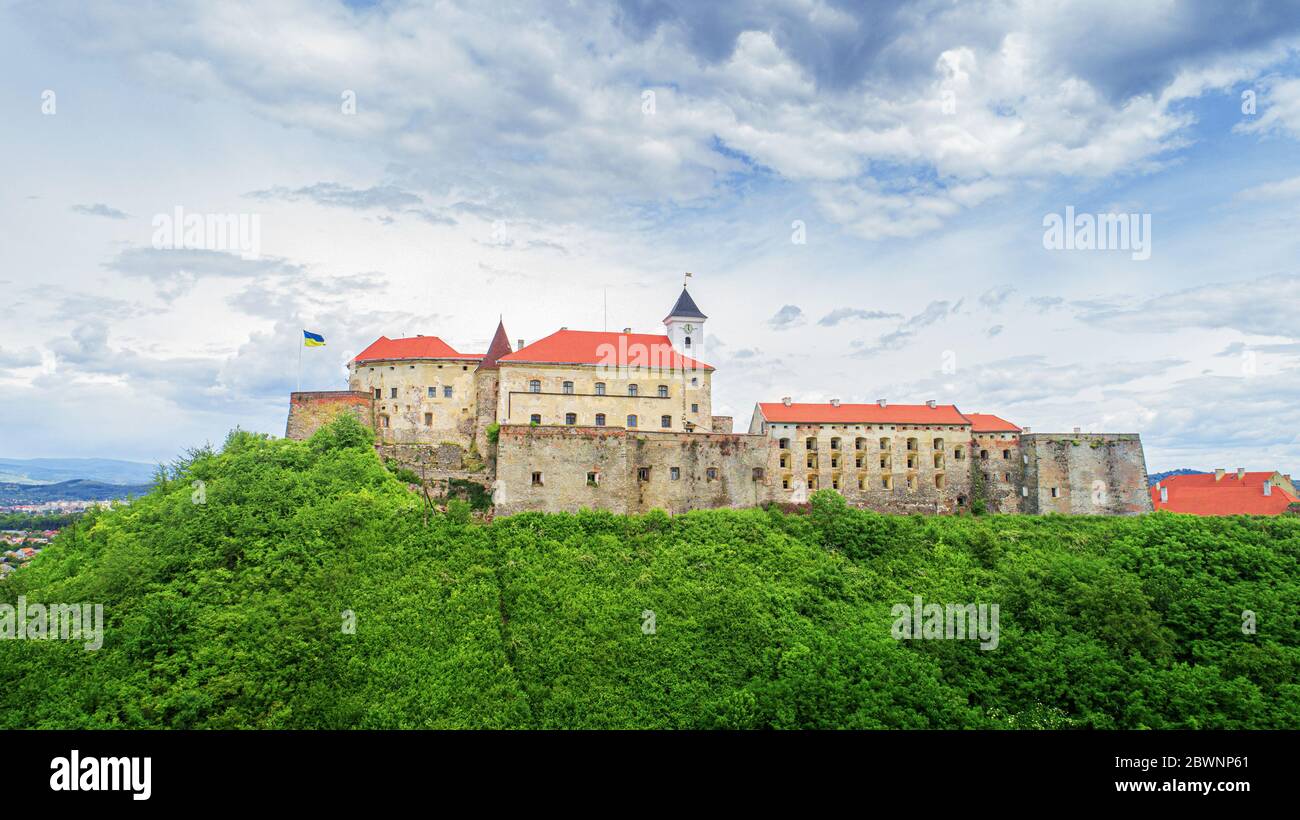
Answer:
(503, 160)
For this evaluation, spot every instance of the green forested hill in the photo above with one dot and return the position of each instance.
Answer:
(229, 613)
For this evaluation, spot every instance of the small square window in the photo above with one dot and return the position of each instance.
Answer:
(695, 408)
(446, 392)
(537, 479)
(428, 419)
(570, 418)
(642, 473)
(433, 392)
(593, 479)
(600, 419)
(392, 394)
(712, 473)
(665, 421)
(535, 418)
(674, 473)
(758, 473)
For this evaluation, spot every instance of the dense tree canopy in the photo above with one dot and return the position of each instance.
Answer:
(229, 591)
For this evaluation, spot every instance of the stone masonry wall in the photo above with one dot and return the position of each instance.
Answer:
(309, 411)
(1085, 473)
(627, 471)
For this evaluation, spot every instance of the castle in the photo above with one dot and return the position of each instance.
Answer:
(623, 421)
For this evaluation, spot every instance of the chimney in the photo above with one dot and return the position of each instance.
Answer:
(1076, 430)
(1268, 487)
(1164, 495)
(1241, 473)
(566, 327)
(519, 344)
(785, 400)
(835, 402)
(627, 330)
(930, 403)
(882, 402)
(1024, 429)
(1218, 474)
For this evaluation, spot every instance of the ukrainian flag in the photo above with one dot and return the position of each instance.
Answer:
(310, 339)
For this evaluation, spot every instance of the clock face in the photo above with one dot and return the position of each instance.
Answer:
(688, 328)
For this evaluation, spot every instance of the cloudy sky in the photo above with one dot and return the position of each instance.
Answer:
(860, 190)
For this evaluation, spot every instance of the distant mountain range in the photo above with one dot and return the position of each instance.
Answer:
(75, 490)
(55, 470)
(1154, 477)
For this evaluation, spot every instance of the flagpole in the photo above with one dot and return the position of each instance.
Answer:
(301, 345)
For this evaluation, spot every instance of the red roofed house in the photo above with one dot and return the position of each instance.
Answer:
(634, 381)
(1223, 493)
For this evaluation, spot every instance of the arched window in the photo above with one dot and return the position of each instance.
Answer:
(663, 391)
(631, 390)
(568, 388)
(688, 341)
(600, 388)
(784, 444)
(535, 386)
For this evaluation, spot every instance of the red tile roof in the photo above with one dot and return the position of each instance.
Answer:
(1202, 495)
(416, 347)
(500, 347)
(986, 423)
(779, 412)
(652, 350)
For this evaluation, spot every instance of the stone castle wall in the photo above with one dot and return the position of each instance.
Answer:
(1085, 473)
(309, 411)
(561, 468)
(998, 471)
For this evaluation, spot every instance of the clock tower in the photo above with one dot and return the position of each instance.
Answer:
(685, 326)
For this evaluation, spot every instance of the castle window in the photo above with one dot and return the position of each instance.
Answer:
(911, 482)
(1056, 493)
(862, 482)
(642, 473)
(631, 389)
(884, 444)
(857, 462)
(938, 444)
(884, 462)
(464, 367)
(433, 392)
(535, 386)
(593, 479)
(835, 444)
(912, 444)
(570, 418)
(938, 461)
(383, 421)
(674, 473)
(631, 421)
(785, 482)
(428, 419)
(835, 461)
(1006, 476)
(663, 391)
(600, 419)
(695, 408)
(887, 482)
(957, 453)
(984, 455)
(446, 392)
(783, 444)
(568, 388)
(1006, 455)
(859, 443)
(835, 482)
(537, 479)
(785, 461)
(810, 443)
(392, 392)
(812, 482)
(535, 418)
(665, 421)
(1024, 492)
(688, 341)
(961, 501)
(758, 474)
(711, 473)
(811, 461)
(379, 392)
(600, 388)
(695, 382)
(938, 481)
(911, 461)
